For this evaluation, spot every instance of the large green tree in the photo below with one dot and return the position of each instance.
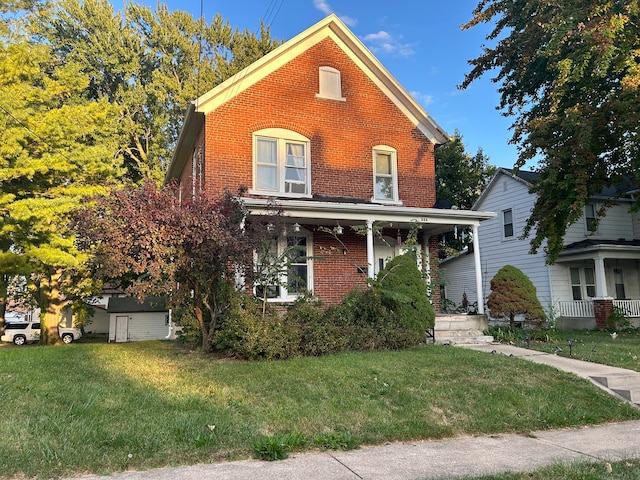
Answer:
(460, 178)
(56, 149)
(150, 64)
(569, 72)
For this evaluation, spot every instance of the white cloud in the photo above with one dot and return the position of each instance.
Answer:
(385, 42)
(423, 99)
(325, 8)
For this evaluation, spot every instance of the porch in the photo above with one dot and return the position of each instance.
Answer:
(581, 313)
(584, 308)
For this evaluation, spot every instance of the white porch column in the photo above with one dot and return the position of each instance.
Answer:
(370, 255)
(478, 269)
(427, 262)
(601, 282)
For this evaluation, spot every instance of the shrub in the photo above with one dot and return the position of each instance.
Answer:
(512, 293)
(249, 334)
(404, 291)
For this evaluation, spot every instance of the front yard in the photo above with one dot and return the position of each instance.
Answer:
(100, 408)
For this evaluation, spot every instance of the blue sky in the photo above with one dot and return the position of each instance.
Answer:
(419, 42)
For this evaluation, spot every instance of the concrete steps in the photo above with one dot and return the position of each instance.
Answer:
(461, 329)
(627, 385)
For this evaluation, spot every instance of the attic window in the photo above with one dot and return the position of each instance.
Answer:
(330, 86)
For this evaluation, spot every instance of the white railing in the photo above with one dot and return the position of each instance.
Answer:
(577, 308)
(630, 308)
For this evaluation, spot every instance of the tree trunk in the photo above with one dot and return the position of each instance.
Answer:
(3, 300)
(51, 309)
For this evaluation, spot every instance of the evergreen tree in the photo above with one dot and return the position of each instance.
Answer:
(513, 293)
(56, 150)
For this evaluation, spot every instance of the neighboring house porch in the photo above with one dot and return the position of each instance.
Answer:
(603, 275)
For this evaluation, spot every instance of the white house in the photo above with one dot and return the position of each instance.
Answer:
(595, 272)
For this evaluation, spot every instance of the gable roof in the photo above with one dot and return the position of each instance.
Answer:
(330, 27)
(625, 191)
(524, 177)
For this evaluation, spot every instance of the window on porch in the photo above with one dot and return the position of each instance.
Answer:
(583, 282)
(618, 279)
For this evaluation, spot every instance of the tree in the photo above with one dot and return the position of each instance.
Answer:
(150, 64)
(513, 293)
(56, 150)
(144, 240)
(570, 73)
(460, 178)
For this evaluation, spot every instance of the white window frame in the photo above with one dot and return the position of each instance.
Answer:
(281, 137)
(330, 84)
(281, 244)
(587, 288)
(589, 219)
(504, 224)
(393, 154)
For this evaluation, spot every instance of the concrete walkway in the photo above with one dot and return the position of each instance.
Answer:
(445, 459)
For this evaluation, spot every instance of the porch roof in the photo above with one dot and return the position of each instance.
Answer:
(587, 249)
(350, 212)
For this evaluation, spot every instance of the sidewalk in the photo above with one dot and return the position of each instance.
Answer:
(425, 460)
(451, 458)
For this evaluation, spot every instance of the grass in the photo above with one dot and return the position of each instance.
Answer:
(103, 408)
(597, 470)
(596, 346)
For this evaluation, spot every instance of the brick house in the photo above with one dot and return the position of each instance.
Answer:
(320, 127)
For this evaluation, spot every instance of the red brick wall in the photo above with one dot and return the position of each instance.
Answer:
(342, 134)
(336, 273)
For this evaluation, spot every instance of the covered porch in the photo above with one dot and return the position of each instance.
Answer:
(364, 235)
(599, 276)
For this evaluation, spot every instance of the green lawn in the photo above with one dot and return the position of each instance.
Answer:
(596, 346)
(596, 470)
(100, 408)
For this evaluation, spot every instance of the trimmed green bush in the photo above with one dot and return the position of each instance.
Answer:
(512, 293)
(404, 291)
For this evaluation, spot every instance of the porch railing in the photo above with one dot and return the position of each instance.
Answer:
(630, 308)
(584, 308)
(576, 308)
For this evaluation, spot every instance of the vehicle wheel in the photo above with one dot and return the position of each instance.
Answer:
(19, 340)
(67, 338)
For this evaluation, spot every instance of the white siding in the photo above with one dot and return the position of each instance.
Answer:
(635, 220)
(142, 326)
(495, 251)
(615, 225)
(458, 276)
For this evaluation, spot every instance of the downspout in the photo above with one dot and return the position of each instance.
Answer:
(170, 327)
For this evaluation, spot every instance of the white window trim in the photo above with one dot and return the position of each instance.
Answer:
(323, 92)
(587, 230)
(282, 136)
(394, 172)
(513, 224)
(282, 244)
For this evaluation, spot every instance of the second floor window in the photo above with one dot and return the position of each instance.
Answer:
(589, 216)
(507, 223)
(385, 174)
(281, 163)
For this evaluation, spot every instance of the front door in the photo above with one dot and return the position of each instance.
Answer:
(122, 328)
(385, 250)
